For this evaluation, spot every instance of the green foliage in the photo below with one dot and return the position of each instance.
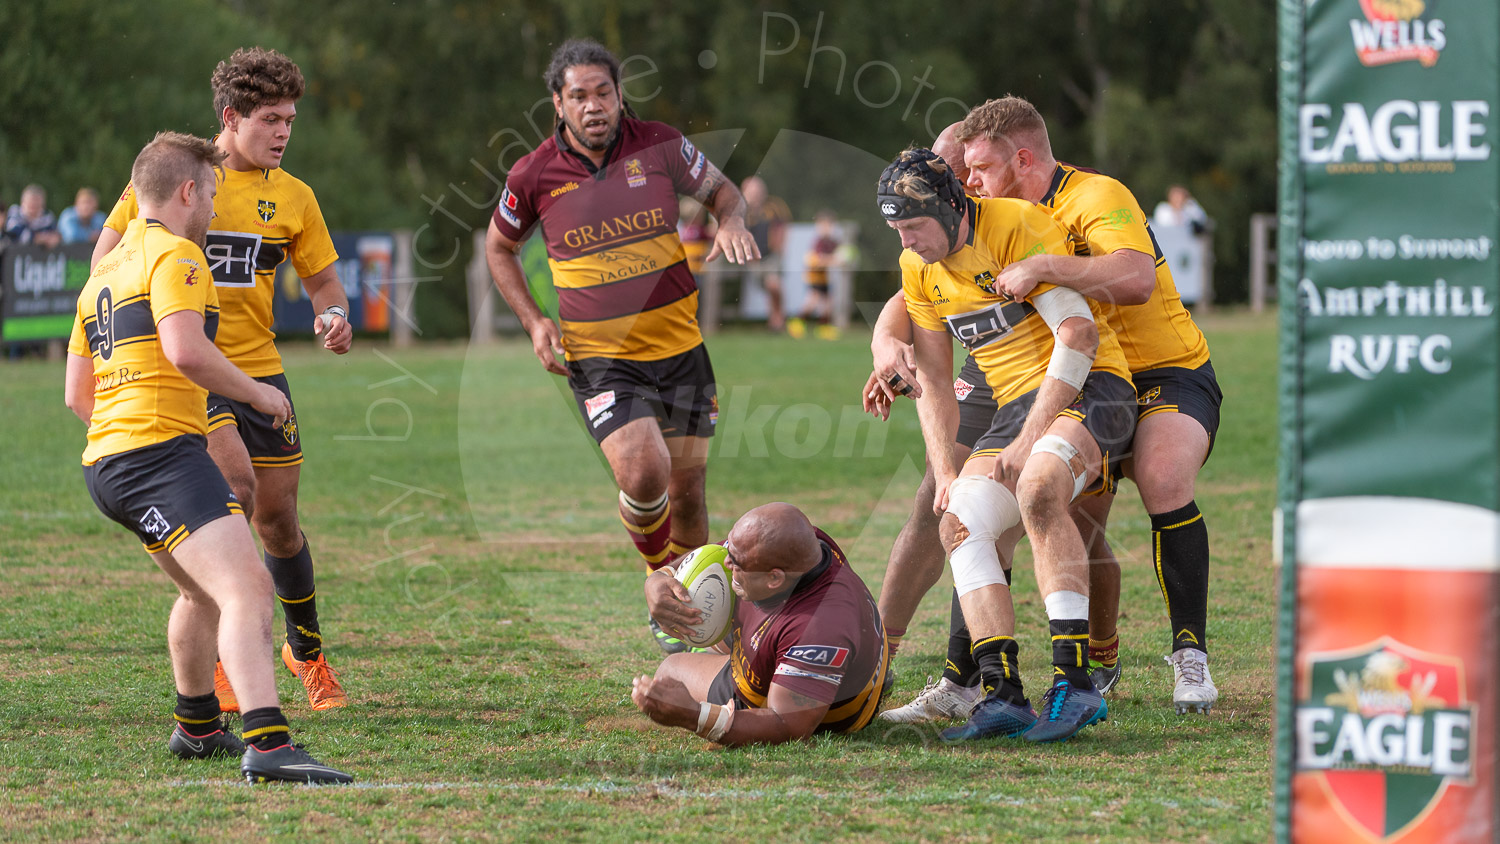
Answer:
(415, 111)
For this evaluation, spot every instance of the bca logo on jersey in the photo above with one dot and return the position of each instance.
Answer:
(155, 523)
(819, 655)
(266, 209)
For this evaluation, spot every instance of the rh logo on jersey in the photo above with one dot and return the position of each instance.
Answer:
(155, 523)
(1393, 31)
(232, 258)
(266, 209)
(1386, 710)
(819, 655)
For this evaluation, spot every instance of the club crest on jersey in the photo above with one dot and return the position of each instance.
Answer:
(266, 209)
(986, 282)
(155, 523)
(1389, 728)
(634, 173)
(1149, 396)
(819, 655)
(962, 389)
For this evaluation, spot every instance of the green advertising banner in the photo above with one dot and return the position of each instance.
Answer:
(1390, 477)
(39, 290)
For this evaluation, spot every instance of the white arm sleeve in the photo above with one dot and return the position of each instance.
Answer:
(1054, 306)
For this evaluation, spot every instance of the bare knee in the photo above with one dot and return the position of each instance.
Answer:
(243, 487)
(952, 531)
(276, 524)
(1042, 499)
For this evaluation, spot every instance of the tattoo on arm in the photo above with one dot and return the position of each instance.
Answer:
(708, 189)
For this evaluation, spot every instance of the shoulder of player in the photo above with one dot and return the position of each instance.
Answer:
(645, 133)
(525, 173)
(911, 264)
(290, 186)
(1096, 192)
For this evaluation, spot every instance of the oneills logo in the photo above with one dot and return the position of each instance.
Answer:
(1389, 729)
(1393, 31)
(564, 189)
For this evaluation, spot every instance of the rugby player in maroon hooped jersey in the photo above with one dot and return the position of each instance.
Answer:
(805, 653)
(605, 190)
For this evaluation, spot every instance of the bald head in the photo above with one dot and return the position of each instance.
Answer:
(951, 149)
(775, 536)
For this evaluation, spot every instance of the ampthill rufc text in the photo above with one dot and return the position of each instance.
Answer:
(1366, 355)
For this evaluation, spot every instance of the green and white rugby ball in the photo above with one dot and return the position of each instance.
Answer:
(705, 575)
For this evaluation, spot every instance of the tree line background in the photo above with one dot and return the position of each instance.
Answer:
(415, 110)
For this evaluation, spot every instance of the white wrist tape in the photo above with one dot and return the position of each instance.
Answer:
(715, 731)
(986, 509)
(1063, 450)
(1069, 366)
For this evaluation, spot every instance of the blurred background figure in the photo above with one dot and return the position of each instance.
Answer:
(824, 256)
(30, 221)
(696, 230)
(82, 221)
(1180, 209)
(766, 217)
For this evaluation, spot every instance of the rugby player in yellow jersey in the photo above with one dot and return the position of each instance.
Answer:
(140, 363)
(1118, 264)
(1065, 416)
(262, 217)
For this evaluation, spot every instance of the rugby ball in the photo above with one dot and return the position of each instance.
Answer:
(705, 576)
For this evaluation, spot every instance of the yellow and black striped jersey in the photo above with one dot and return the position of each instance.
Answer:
(1102, 216)
(140, 398)
(1010, 341)
(261, 218)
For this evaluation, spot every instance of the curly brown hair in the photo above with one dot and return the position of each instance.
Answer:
(253, 77)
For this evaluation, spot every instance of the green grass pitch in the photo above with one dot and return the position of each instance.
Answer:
(484, 609)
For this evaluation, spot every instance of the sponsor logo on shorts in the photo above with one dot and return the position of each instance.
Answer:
(155, 523)
(600, 403)
(603, 417)
(508, 208)
(962, 389)
(289, 430)
(1149, 396)
(819, 655)
(635, 175)
(713, 415)
(697, 168)
(266, 209)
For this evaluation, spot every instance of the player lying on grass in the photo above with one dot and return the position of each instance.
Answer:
(805, 651)
(1066, 412)
(140, 363)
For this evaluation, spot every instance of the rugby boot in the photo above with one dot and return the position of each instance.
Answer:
(288, 763)
(668, 643)
(1065, 710)
(1194, 689)
(318, 677)
(994, 717)
(221, 742)
(940, 700)
(1104, 678)
(223, 691)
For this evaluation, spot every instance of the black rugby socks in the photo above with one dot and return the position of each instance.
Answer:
(1179, 546)
(293, 577)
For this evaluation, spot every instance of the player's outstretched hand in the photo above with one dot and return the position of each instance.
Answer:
(734, 242)
(667, 601)
(876, 399)
(546, 342)
(665, 701)
(272, 402)
(340, 334)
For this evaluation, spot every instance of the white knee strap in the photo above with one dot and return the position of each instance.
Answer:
(642, 508)
(986, 509)
(1064, 451)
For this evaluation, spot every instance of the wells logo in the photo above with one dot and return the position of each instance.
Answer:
(1393, 31)
(986, 282)
(556, 192)
(266, 208)
(1388, 728)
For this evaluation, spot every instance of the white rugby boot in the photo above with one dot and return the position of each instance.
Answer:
(941, 700)
(1194, 690)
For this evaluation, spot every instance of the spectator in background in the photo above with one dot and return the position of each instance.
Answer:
(30, 221)
(824, 256)
(696, 231)
(766, 217)
(1180, 209)
(82, 221)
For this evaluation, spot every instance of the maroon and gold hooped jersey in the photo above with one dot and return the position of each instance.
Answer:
(624, 289)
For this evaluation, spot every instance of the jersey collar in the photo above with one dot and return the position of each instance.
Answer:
(1059, 176)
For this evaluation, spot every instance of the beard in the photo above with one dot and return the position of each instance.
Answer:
(576, 128)
(197, 230)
